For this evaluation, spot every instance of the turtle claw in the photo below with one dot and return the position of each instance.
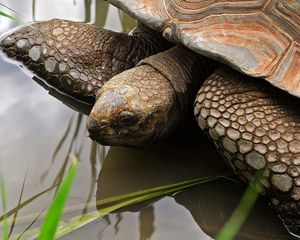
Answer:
(50, 50)
(6, 42)
(14, 43)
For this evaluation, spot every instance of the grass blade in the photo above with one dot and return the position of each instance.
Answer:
(23, 204)
(48, 229)
(125, 200)
(151, 193)
(241, 212)
(3, 14)
(4, 205)
(158, 189)
(29, 226)
(238, 217)
(61, 172)
(58, 148)
(62, 140)
(15, 12)
(19, 202)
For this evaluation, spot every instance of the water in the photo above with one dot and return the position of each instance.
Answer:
(37, 133)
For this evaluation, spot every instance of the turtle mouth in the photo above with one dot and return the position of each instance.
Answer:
(109, 136)
(124, 141)
(129, 140)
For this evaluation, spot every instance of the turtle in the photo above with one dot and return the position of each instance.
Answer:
(238, 61)
(248, 105)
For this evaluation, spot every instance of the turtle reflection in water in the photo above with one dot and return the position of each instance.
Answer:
(129, 170)
(255, 126)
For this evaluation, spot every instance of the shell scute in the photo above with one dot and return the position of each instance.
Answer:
(258, 37)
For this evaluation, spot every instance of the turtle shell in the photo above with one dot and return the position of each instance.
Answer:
(260, 38)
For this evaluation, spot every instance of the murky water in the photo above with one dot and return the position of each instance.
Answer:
(37, 133)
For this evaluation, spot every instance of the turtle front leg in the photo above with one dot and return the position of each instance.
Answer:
(78, 58)
(255, 127)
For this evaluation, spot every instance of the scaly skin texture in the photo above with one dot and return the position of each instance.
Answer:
(255, 127)
(149, 102)
(123, 114)
(78, 58)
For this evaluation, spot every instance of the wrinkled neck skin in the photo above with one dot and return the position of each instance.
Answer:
(185, 71)
(153, 37)
(147, 42)
(156, 97)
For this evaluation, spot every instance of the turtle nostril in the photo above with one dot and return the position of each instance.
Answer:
(93, 127)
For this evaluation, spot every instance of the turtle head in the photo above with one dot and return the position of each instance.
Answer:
(134, 108)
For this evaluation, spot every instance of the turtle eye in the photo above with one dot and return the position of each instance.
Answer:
(126, 119)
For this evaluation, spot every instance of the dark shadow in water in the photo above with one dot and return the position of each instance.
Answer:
(117, 223)
(128, 170)
(127, 22)
(87, 10)
(101, 9)
(33, 10)
(69, 101)
(146, 222)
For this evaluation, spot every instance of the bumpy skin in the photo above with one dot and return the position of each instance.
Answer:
(121, 116)
(78, 58)
(255, 127)
(148, 103)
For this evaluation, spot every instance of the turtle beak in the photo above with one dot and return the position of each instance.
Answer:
(99, 131)
(93, 128)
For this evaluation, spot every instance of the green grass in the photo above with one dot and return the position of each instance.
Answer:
(112, 204)
(239, 215)
(4, 14)
(144, 195)
(4, 206)
(49, 230)
(49, 226)
(241, 212)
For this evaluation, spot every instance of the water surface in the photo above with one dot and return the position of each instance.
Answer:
(38, 133)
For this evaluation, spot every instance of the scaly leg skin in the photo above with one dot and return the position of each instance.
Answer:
(255, 126)
(78, 58)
